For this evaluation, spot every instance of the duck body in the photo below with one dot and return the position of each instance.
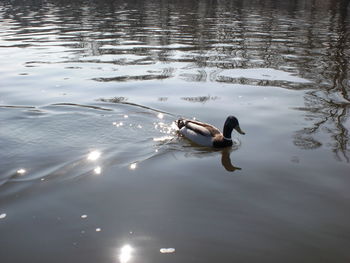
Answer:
(207, 135)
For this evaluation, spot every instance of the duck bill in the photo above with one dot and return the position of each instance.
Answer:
(238, 129)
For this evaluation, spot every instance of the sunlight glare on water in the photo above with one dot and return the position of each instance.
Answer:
(125, 253)
(98, 170)
(94, 155)
(163, 138)
(166, 127)
(133, 166)
(167, 250)
(21, 171)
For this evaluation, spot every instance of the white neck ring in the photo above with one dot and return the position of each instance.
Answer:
(228, 139)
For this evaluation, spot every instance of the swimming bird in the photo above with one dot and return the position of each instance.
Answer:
(207, 135)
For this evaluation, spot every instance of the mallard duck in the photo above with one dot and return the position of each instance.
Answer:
(207, 135)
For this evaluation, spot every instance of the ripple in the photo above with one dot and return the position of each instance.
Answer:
(82, 106)
(163, 138)
(262, 74)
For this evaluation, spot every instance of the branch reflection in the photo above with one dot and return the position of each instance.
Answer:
(328, 107)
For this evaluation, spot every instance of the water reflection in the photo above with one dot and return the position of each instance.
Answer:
(94, 155)
(21, 171)
(125, 254)
(169, 250)
(204, 152)
(325, 114)
(163, 139)
(98, 170)
(133, 166)
(328, 108)
(129, 35)
(202, 99)
(190, 56)
(278, 43)
(226, 161)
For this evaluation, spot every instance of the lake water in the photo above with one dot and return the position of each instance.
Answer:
(91, 166)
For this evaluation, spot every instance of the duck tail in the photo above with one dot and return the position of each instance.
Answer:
(180, 123)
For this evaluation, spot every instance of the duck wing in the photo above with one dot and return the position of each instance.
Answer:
(202, 128)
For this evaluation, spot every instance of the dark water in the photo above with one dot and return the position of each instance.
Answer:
(91, 167)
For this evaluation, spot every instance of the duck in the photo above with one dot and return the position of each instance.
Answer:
(207, 135)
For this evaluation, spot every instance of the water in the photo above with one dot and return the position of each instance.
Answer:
(91, 166)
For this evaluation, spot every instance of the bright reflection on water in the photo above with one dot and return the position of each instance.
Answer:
(133, 166)
(167, 250)
(125, 254)
(163, 138)
(98, 170)
(21, 171)
(94, 155)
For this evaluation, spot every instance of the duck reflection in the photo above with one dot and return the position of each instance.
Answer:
(226, 161)
(225, 155)
(192, 150)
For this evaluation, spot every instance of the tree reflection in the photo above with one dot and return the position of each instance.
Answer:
(202, 99)
(141, 40)
(327, 115)
(328, 108)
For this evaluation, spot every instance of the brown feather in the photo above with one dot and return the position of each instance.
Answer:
(212, 130)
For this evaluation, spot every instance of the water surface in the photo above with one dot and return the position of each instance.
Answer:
(91, 166)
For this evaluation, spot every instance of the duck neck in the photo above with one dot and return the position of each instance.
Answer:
(227, 132)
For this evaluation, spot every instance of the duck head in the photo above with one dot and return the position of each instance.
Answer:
(230, 124)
